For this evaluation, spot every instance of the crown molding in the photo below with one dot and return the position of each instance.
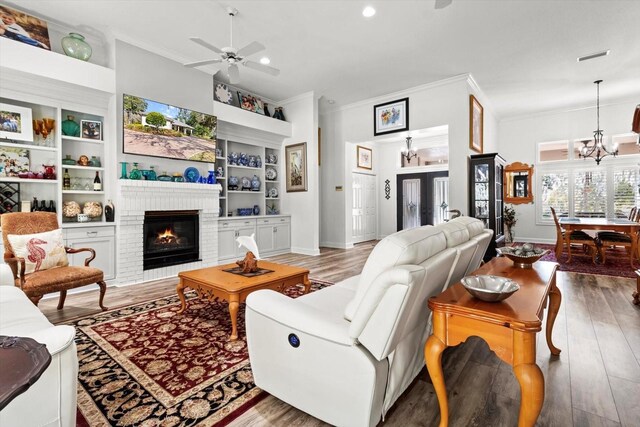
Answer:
(296, 98)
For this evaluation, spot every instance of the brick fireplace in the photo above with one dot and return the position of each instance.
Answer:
(137, 198)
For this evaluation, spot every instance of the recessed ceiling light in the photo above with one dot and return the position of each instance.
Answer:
(265, 61)
(331, 101)
(368, 12)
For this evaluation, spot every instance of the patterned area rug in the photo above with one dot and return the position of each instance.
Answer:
(145, 365)
(617, 262)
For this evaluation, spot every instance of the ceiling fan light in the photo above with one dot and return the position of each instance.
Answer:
(368, 12)
(265, 61)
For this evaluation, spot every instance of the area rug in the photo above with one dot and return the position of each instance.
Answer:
(617, 262)
(145, 365)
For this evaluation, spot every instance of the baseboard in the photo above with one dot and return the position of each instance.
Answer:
(304, 251)
(336, 245)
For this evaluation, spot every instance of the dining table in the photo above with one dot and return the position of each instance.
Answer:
(621, 225)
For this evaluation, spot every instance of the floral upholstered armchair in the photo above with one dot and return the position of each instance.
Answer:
(34, 249)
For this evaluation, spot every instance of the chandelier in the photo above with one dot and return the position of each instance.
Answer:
(597, 151)
(409, 152)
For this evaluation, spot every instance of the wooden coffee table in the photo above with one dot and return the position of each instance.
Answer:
(509, 327)
(213, 282)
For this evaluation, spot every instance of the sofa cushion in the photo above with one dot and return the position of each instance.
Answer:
(407, 247)
(455, 233)
(474, 225)
(40, 251)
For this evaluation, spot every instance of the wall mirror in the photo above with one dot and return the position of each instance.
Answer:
(517, 183)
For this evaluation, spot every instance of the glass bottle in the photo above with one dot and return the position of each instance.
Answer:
(109, 211)
(123, 174)
(74, 46)
(34, 205)
(95, 161)
(97, 184)
(52, 206)
(43, 207)
(151, 175)
(135, 173)
(66, 180)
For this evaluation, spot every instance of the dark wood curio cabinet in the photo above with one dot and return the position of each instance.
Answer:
(486, 196)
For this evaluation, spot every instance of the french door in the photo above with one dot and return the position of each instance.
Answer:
(364, 210)
(422, 198)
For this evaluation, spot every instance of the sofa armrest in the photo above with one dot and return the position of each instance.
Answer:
(297, 315)
(56, 338)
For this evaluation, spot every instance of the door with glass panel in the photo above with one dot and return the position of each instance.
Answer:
(422, 199)
(364, 210)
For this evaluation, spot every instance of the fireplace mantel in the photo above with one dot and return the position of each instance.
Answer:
(136, 197)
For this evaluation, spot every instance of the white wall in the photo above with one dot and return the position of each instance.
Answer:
(517, 139)
(147, 75)
(436, 104)
(304, 206)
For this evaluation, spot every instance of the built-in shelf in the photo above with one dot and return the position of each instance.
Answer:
(230, 114)
(222, 198)
(271, 164)
(27, 180)
(220, 178)
(77, 139)
(87, 224)
(78, 167)
(26, 146)
(244, 167)
(269, 181)
(81, 192)
(272, 198)
(243, 192)
(221, 159)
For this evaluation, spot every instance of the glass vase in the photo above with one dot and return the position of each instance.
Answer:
(75, 47)
(135, 173)
(123, 174)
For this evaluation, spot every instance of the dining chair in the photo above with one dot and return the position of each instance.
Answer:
(613, 239)
(578, 237)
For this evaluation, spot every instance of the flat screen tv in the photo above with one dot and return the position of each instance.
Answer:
(161, 130)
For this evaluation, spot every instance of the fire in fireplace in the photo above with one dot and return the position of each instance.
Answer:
(170, 238)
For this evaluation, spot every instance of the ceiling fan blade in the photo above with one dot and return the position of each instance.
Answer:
(234, 74)
(250, 49)
(260, 67)
(203, 43)
(441, 4)
(199, 63)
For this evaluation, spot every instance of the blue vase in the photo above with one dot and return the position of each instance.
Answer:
(256, 210)
(211, 179)
(255, 183)
(233, 183)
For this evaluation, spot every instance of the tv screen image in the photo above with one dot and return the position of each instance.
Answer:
(161, 130)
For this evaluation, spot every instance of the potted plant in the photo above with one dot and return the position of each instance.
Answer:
(509, 222)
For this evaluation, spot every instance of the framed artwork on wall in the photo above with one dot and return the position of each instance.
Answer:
(476, 124)
(296, 167)
(391, 117)
(365, 157)
(91, 129)
(16, 123)
(14, 162)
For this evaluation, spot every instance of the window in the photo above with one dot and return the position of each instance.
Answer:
(576, 187)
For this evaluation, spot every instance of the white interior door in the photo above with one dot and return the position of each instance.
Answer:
(364, 211)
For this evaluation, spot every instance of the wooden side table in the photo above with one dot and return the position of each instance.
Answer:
(23, 360)
(509, 327)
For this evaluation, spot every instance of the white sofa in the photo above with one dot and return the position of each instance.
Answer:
(361, 340)
(50, 401)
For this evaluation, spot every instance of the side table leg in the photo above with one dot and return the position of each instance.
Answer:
(233, 312)
(306, 283)
(529, 376)
(555, 299)
(180, 291)
(433, 356)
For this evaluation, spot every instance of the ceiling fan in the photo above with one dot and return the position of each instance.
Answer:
(441, 4)
(233, 56)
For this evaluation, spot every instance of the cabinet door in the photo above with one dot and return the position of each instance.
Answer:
(227, 243)
(105, 254)
(265, 238)
(244, 231)
(282, 237)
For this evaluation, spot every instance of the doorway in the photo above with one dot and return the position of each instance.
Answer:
(364, 210)
(422, 199)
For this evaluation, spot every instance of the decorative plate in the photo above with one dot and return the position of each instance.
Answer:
(191, 174)
(273, 192)
(246, 182)
(223, 94)
(271, 174)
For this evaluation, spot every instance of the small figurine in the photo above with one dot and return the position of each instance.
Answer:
(249, 264)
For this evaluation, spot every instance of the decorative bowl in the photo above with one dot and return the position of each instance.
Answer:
(523, 256)
(245, 211)
(490, 288)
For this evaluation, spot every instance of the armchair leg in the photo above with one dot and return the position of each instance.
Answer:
(63, 296)
(103, 290)
(35, 299)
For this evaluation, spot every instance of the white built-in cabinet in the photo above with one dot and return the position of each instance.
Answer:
(272, 234)
(100, 239)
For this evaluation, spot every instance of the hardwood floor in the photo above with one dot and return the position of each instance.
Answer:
(594, 382)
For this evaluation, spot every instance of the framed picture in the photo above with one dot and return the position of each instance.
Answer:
(476, 120)
(16, 123)
(13, 161)
(91, 129)
(24, 28)
(296, 167)
(246, 101)
(365, 160)
(391, 117)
